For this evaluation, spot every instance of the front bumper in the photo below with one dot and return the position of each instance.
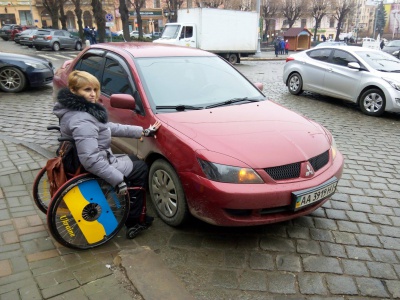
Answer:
(227, 204)
(40, 77)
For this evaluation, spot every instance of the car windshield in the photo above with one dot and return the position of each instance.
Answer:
(381, 61)
(394, 44)
(193, 82)
(170, 32)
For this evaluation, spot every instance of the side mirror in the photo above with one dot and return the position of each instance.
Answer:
(354, 65)
(259, 85)
(122, 101)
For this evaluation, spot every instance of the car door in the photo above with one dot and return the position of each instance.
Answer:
(187, 37)
(340, 81)
(117, 79)
(313, 69)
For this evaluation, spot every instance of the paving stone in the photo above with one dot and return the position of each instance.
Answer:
(393, 287)
(331, 249)
(368, 240)
(277, 244)
(383, 255)
(369, 228)
(345, 238)
(381, 270)
(253, 281)
(355, 267)
(312, 284)
(261, 261)
(322, 264)
(336, 214)
(321, 235)
(308, 247)
(389, 242)
(341, 285)
(325, 224)
(371, 287)
(298, 232)
(226, 279)
(281, 283)
(357, 216)
(288, 263)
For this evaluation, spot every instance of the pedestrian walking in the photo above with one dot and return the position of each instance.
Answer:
(276, 46)
(88, 34)
(282, 46)
(382, 44)
(287, 45)
(94, 34)
(86, 121)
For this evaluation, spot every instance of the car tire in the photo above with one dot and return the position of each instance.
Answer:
(295, 84)
(38, 48)
(233, 58)
(56, 46)
(167, 194)
(12, 80)
(373, 102)
(30, 46)
(78, 46)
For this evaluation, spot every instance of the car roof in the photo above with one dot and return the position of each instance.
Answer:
(143, 49)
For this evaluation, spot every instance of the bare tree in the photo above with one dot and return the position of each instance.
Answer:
(173, 6)
(99, 16)
(78, 13)
(269, 8)
(124, 12)
(318, 11)
(293, 10)
(63, 17)
(137, 5)
(53, 7)
(342, 8)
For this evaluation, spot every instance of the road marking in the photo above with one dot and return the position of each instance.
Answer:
(47, 56)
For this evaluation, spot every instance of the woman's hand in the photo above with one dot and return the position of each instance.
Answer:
(152, 129)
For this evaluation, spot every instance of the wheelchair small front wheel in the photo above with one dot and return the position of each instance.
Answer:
(86, 212)
(41, 190)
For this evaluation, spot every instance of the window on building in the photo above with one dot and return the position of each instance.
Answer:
(157, 4)
(332, 22)
(189, 3)
(303, 23)
(70, 20)
(87, 19)
(285, 22)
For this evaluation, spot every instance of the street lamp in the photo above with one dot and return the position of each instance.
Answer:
(169, 14)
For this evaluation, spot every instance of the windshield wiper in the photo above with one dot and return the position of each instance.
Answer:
(231, 101)
(179, 107)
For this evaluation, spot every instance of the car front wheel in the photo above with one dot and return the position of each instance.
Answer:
(167, 194)
(373, 102)
(12, 80)
(295, 84)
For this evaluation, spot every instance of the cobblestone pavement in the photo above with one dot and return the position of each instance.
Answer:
(348, 249)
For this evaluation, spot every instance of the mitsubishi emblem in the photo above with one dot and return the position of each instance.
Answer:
(309, 170)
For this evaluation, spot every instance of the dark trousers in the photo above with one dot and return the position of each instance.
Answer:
(137, 178)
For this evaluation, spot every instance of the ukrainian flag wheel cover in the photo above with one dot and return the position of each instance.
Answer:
(86, 212)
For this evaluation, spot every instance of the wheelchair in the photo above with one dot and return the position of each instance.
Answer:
(85, 212)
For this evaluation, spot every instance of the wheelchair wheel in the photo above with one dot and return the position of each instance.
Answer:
(41, 190)
(86, 212)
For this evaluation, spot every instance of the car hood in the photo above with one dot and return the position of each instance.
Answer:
(259, 134)
(20, 57)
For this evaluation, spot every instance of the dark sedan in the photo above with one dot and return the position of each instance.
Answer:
(18, 72)
(393, 47)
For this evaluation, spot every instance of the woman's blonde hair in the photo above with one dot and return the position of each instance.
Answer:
(78, 79)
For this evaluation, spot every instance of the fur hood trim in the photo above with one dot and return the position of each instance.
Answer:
(74, 102)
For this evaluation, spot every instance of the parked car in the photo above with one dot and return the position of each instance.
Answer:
(26, 37)
(56, 39)
(393, 48)
(134, 33)
(331, 43)
(18, 72)
(224, 152)
(367, 77)
(153, 36)
(8, 31)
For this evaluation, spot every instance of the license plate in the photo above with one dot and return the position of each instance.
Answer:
(304, 198)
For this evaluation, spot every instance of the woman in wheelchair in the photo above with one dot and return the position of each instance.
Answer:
(86, 121)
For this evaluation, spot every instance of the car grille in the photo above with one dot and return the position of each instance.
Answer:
(293, 170)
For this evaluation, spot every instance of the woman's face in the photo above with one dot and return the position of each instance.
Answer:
(89, 92)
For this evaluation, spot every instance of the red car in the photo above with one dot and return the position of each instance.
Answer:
(224, 154)
(8, 31)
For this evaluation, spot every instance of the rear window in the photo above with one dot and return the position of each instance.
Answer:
(6, 27)
(43, 32)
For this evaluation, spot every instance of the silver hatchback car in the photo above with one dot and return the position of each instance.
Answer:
(56, 39)
(370, 78)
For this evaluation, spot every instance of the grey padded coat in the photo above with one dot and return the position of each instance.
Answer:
(87, 124)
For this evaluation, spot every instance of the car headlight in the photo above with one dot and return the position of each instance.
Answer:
(229, 174)
(334, 148)
(38, 66)
(394, 84)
